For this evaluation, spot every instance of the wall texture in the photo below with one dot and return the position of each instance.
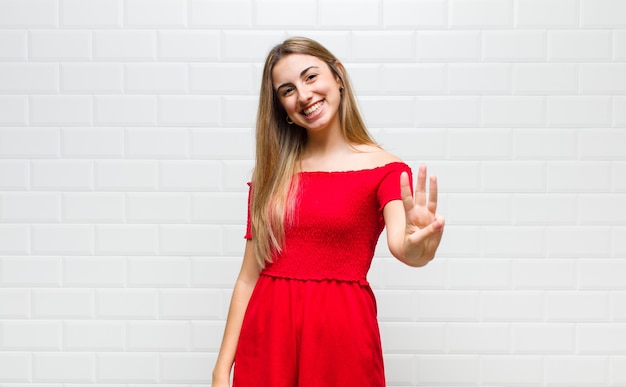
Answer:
(126, 141)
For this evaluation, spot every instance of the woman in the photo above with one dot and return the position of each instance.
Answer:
(302, 313)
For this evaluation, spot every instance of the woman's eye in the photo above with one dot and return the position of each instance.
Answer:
(310, 77)
(287, 91)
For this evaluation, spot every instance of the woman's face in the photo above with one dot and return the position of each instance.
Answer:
(308, 91)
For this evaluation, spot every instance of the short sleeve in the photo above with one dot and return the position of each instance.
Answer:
(249, 222)
(389, 187)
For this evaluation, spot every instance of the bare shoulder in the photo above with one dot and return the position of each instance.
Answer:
(375, 156)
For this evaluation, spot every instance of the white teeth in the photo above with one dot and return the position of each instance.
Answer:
(312, 109)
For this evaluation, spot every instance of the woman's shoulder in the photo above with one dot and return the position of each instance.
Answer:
(373, 156)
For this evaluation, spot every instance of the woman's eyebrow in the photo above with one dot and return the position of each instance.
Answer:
(301, 74)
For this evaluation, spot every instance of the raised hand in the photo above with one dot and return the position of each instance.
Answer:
(424, 227)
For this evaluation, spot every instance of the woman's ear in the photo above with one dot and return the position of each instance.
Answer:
(339, 77)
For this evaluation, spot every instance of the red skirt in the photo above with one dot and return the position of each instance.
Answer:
(299, 333)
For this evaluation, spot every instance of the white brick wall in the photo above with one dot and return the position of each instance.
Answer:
(126, 140)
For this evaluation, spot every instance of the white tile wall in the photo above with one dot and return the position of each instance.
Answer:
(126, 140)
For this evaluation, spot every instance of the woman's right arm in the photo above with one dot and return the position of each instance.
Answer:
(246, 281)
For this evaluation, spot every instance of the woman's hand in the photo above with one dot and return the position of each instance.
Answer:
(424, 227)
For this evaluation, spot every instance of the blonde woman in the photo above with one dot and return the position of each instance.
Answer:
(302, 313)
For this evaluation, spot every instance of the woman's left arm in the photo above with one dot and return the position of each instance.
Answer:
(414, 228)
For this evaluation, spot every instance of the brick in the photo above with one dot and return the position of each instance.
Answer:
(157, 208)
(524, 112)
(29, 142)
(192, 304)
(14, 303)
(512, 370)
(514, 177)
(239, 111)
(483, 338)
(19, 13)
(512, 306)
(484, 209)
(31, 335)
(514, 46)
(579, 46)
(218, 208)
(158, 272)
(435, 370)
(189, 175)
(190, 110)
(60, 45)
(481, 14)
(13, 110)
(448, 111)
(16, 367)
(619, 44)
(601, 274)
(618, 306)
(91, 78)
(400, 369)
(157, 143)
(186, 368)
(408, 79)
(489, 274)
(126, 304)
(206, 335)
(333, 14)
(545, 78)
(190, 240)
(14, 45)
(603, 144)
(602, 209)
(188, 46)
(127, 367)
(125, 110)
(226, 144)
(245, 46)
(336, 41)
(126, 175)
(388, 46)
(601, 339)
(603, 13)
(406, 143)
(13, 175)
(602, 78)
(159, 336)
(62, 304)
(523, 242)
(235, 175)
(234, 244)
(93, 207)
(415, 14)
(26, 78)
(282, 14)
(577, 307)
(222, 79)
(150, 13)
(220, 13)
(457, 236)
(94, 272)
(156, 78)
(544, 274)
(91, 13)
(480, 144)
(388, 304)
(619, 111)
(545, 144)
(619, 241)
(31, 271)
(618, 369)
(406, 337)
(124, 45)
(578, 177)
(14, 239)
(579, 111)
(452, 46)
(93, 336)
(62, 174)
(533, 338)
(92, 143)
(126, 239)
(547, 14)
(30, 207)
(60, 110)
(582, 242)
(491, 78)
(61, 239)
(576, 370)
(456, 177)
(388, 112)
(447, 306)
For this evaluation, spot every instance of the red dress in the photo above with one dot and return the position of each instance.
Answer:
(311, 320)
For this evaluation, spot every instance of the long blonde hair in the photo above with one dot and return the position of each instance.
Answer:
(279, 146)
